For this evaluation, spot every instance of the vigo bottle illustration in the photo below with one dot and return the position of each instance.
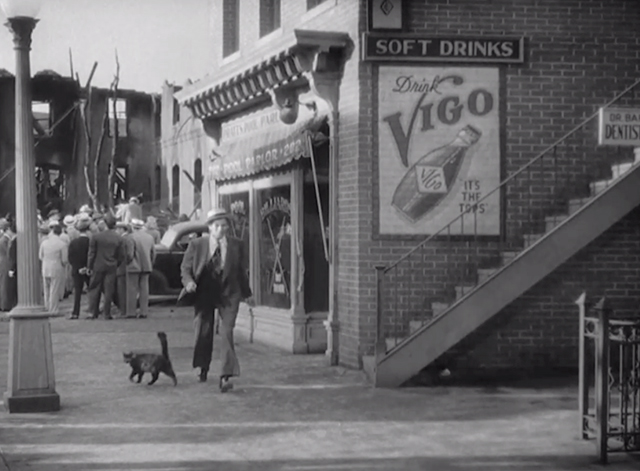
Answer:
(430, 179)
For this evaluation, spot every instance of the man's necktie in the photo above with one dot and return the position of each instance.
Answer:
(216, 260)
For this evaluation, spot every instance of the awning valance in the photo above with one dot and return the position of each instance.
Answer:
(272, 148)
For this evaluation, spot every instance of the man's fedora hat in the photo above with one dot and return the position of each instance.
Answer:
(218, 213)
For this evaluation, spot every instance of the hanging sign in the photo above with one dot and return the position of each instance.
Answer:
(385, 14)
(424, 48)
(619, 127)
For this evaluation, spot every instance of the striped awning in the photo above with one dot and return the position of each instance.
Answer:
(266, 150)
(221, 97)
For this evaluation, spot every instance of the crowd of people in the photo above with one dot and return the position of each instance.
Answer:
(106, 254)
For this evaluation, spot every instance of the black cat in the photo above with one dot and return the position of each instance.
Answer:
(153, 363)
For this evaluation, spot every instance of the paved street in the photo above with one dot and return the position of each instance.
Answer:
(286, 413)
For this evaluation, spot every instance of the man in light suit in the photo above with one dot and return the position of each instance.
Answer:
(140, 268)
(54, 257)
(213, 270)
(106, 252)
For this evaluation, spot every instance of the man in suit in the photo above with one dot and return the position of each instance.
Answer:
(54, 257)
(213, 270)
(106, 252)
(140, 268)
(78, 252)
(122, 279)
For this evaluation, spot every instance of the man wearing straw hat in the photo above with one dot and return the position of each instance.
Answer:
(140, 269)
(213, 270)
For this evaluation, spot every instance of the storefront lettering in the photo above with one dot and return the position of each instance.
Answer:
(424, 48)
(409, 83)
(277, 203)
(251, 125)
(448, 111)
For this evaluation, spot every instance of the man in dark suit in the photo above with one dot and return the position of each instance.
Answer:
(213, 270)
(106, 252)
(78, 253)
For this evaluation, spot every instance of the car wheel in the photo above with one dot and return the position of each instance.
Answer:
(158, 283)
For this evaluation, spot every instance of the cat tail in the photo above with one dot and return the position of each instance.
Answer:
(163, 342)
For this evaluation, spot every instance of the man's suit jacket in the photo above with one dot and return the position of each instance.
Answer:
(144, 253)
(106, 251)
(78, 253)
(129, 250)
(54, 256)
(234, 279)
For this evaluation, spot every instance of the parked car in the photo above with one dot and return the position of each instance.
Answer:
(165, 278)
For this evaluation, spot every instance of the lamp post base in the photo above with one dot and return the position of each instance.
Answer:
(31, 382)
(32, 403)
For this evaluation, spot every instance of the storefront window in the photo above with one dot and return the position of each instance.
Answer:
(238, 205)
(275, 246)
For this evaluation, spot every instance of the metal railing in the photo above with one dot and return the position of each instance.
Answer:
(609, 379)
(447, 265)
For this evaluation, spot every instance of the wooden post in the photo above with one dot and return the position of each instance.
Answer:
(381, 344)
(602, 381)
(583, 388)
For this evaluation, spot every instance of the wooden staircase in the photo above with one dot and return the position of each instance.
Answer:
(584, 220)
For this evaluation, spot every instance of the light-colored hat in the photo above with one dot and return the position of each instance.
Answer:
(4, 224)
(137, 223)
(218, 213)
(69, 220)
(83, 223)
(134, 199)
(53, 223)
(85, 208)
(122, 225)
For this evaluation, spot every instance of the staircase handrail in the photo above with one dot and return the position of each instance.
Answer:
(385, 269)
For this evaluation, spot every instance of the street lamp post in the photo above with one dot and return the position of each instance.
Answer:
(31, 382)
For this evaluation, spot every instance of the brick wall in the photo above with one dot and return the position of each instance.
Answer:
(578, 55)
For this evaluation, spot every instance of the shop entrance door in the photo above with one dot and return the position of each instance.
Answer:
(316, 273)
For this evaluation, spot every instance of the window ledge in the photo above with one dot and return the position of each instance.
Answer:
(230, 58)
(318, 10)
(276, 33)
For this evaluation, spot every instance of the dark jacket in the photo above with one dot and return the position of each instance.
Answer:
(106, 251)
(234, 281)
(78, 253)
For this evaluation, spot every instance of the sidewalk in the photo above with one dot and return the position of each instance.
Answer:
(287, 412)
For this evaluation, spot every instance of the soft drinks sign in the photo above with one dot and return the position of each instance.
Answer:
(438, 149)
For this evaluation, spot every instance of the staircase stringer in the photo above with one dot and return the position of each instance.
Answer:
(512, 280)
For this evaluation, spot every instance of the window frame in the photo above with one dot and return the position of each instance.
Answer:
(122, 115)
(273, 22)
(234, 24)
(49, 118)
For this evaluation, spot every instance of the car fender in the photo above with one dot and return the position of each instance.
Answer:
(158, 283)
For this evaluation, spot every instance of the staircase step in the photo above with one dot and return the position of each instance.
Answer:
(508, 256)
(620, 169)
(485, 273)
(599, 186)
(438, 308)
(415, 325)
(576, 204)
(462, 290)
(552, 221)
(530, 239)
